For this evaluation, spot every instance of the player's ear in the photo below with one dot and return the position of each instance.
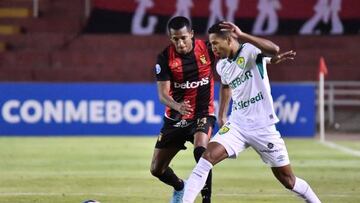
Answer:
(192, 33)
(229, 40)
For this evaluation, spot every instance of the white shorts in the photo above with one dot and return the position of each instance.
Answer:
(267, 142)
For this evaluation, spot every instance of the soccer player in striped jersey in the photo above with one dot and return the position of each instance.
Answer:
(252, 121)
(185, 81)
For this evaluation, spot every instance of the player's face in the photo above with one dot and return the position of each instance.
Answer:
(219, 45)
(182, 40)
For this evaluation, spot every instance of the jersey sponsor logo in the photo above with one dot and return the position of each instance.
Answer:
(157, 69)
(192, 85)
(244, 104)
(203, 60)
(240, 79)
(241, 62)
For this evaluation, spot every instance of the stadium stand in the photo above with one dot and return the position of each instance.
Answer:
(53, 48)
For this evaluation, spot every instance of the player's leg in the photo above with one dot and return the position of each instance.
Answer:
(202, 136)
(271, 147)
(160, 167)
(168, 144)
(286, 177)
(214, 153)
(226, 143)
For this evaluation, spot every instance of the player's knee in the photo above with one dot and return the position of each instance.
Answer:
(288, 182)
(155, 170)
(209, 156)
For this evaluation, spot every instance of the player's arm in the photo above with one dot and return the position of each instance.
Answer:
(225, 96)
(163, 87)
(266, 46)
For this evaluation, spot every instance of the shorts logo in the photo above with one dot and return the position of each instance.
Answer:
(203, 60)
(157, 69)
(182, 124)
(270, 145)
(224, 130)
(280, 158)
(241, 62)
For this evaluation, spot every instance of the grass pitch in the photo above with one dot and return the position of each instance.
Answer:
(116, 170)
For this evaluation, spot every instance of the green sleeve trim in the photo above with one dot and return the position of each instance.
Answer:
(259, 64)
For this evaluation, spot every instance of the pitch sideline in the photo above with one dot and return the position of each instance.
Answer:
(341, 148)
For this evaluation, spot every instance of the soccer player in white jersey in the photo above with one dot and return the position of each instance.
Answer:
(242, 69)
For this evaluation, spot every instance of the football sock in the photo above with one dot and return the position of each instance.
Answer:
(196, 180)
(206, 191)
(303, 189)
(170, 178)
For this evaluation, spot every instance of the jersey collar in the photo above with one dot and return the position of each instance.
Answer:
(236, 55)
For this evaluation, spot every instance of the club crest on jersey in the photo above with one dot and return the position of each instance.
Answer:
(241, 62)
(224, 130)
(174, 64)
(203, 60)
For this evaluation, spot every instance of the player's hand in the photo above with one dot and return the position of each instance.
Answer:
(185, 108)
(231, 27)
(221, 121)
(289, 55)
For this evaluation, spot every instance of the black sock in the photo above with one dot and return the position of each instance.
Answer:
(206, 191)
(170, 178)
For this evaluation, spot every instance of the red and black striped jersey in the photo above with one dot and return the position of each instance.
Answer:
(191, 77)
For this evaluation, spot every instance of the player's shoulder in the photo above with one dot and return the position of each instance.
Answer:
(220, 65)
(201, 43)
(248, 47)
(164, 54)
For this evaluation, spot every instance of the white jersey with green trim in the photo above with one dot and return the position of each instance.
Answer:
(246, 75)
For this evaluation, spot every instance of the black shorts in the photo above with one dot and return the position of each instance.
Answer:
(174, 134)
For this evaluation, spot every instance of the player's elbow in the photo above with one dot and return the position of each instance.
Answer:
(162, 99)
(275, 50)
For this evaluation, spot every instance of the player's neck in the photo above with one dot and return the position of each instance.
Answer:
(234, 51)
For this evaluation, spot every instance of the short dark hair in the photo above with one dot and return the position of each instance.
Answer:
(216, 29)
(179, 22)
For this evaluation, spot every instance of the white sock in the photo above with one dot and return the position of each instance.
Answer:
(303, 189)
(196, 180)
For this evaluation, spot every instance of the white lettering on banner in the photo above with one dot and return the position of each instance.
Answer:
(183, 8)
(286, 111)
(6, 111)
(138, 107)
(150, 116)
(266, 16)
(113, 114)
(140, 13)
(53, 112)
(216, 13)
(31, 111)
(325, 11)
(97, 112)
(67, 111)
(75, 114)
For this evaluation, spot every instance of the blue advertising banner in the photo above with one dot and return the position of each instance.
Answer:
(294, 105)
(43, 109)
